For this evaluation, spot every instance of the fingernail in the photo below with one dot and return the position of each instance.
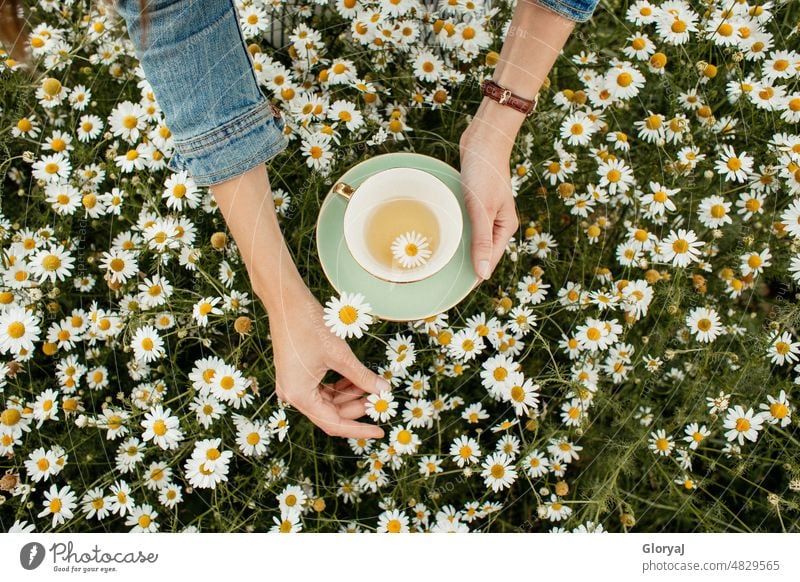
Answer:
(483, 269)
(382, 384)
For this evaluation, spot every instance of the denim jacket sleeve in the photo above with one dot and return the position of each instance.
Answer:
(577, 10)
(196, 61)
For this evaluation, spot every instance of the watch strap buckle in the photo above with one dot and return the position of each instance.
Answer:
(504, 97)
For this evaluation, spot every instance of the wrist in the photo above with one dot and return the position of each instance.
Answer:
(280, 290)
(494, 128)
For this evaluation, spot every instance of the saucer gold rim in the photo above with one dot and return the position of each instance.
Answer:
(325, 201)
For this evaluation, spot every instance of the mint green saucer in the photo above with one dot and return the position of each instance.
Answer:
(395, 301)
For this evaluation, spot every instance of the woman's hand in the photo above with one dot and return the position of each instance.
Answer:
(486, 184)
(536, 35)
(304, 349)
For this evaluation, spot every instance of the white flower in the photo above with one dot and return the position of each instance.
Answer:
(392, 521)
(704, 323)
(734, 168)
(742, 425)
(681, 248)
(59, 503)
(778, 410)
(382, 406)
(348, 315)
(411, 249)
(783, 350)
(19, 328)
(660, 443)
(147, 345)
(498, 471)
(162, 428)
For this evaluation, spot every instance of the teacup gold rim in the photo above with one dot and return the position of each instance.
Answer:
(355, 193)
(475, 284)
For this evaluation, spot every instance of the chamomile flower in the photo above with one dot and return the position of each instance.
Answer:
(681, 248)
(181, 191)
(348, 315)
(120, 265)
(147, 344)
(19, 328)
(777, 410)
(521, 392)
(41, 464)
(466, 344)
(205, 307)
(59, 503)
(556, 510)
(660, 443)
(754, 263)
(695, 434)
(162, 428)
(411, 249)
(783, 349)
(577, 129)
(279, 424)
(253, 438)
(52, 263)
(96, 504)
(742, 424)
(615, 176)
(89, 128)
(208, 466)
(392, 521)
(464, 450)
(292, 499)
(63, 197)
(382, 406)
(791, 218)
(498, 471)
(733, 167)
(714, 211)
(404, 440)
(52, 168)
(704, 324)
(536, 464)
(143, 519)
(127, 121)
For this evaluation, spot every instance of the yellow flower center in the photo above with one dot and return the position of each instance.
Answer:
(160, 427)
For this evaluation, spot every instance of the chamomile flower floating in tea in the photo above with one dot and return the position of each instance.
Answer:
(411, 249)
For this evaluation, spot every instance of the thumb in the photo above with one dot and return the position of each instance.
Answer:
(482, 223)
(351, 367)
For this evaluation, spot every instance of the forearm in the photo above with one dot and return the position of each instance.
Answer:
(534, 40)
(248, 209)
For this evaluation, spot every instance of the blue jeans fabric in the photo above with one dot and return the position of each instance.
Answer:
(196, 60)
(577, 10)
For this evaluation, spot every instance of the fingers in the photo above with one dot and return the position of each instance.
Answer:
(353, 409)
(326, 416)
(482, 217)
(348, 365)
(505, 226)
(350, 404)
(346, 394)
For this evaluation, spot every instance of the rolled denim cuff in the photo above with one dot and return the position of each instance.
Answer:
(202, 75)
(577, 10)
(231, 149)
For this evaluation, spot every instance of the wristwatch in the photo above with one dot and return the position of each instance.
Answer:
(505, 97)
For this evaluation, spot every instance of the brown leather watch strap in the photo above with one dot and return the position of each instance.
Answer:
(505, 97)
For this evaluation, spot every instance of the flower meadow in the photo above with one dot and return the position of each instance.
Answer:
(633, 364)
